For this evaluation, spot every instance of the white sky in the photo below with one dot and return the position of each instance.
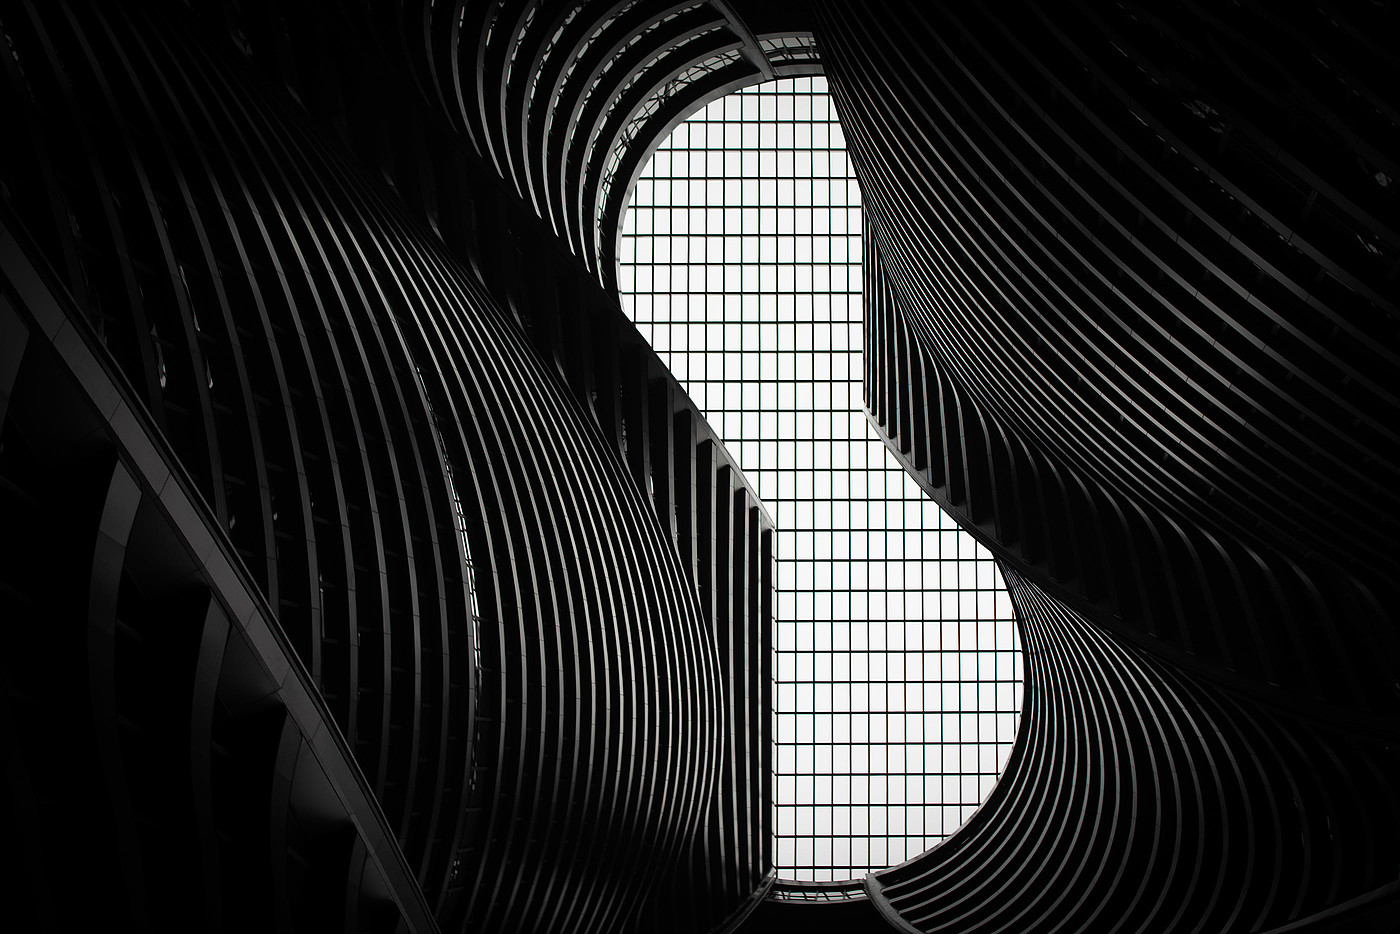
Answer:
(898, 665)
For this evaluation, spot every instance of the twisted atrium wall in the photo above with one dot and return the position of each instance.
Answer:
(364, 570)
(1131, 310)
(517, 587)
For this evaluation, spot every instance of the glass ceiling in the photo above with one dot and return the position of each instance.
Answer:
(898, 663)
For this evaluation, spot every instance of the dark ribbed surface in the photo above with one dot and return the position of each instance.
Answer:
(1140, 799)
(1137, 350)
(366, 74)
(550, 745)
(727, 539)
(162, 742)
(1246, 612)
(553, 93)
(1130, 317)
(544, 89)
(1154, 245)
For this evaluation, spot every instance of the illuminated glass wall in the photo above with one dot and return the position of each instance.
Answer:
(899, 672)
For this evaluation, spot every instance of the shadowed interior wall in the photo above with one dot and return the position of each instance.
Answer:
(526, 581)
(1158, 336)
(1132, 297)
(1129, 304)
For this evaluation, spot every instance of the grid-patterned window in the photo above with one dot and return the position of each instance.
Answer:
(899, 670)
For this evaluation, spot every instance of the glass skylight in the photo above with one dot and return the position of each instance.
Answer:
(898, 664)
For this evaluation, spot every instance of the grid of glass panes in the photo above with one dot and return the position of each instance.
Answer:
(898, 666)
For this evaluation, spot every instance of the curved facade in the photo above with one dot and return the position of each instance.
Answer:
(1130, 293)
(373, 571)
(155, 709)
(525, 584)
(566, 100)
(1141, 798)
(1160, 319)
